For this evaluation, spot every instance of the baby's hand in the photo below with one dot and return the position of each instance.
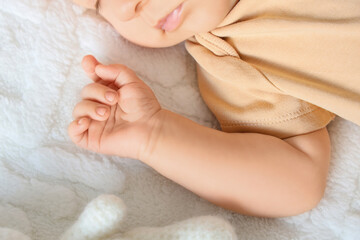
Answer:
(116, 112)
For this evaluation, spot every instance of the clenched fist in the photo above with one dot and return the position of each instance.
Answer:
(117, 112)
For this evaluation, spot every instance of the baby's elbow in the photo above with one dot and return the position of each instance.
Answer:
(317, 149)
(313, 191)
(313, 198)
(316, 184)
(307, 199)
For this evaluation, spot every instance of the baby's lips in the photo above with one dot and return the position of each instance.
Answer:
(171, 21)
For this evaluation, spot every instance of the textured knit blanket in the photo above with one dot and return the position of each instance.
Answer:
(46, 181)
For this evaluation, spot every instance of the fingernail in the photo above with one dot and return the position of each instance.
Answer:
(81, 121)
(110, 96)
(101, 111)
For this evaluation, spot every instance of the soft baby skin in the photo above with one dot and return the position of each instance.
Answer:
(138, 20)
(249, 173)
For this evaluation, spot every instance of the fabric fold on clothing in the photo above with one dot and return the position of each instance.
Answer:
(281, 68)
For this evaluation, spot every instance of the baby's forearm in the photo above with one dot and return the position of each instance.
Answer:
(249, 173)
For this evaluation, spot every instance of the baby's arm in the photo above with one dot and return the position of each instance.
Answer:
(249, 173)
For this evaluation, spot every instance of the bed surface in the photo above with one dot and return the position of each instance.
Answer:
(47, 181)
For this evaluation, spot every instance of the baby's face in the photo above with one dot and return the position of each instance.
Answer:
(161, 23)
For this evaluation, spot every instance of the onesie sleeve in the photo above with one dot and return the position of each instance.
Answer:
(281, 68)
(259, 109)
(244, 99)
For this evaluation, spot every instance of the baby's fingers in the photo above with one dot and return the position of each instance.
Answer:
(89, 64)
(100, 93)
(94, 110)
(117, 74)
(77, 131)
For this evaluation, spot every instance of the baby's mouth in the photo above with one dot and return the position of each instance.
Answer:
(171, 21)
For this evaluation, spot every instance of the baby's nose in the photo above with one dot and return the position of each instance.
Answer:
(129, 9)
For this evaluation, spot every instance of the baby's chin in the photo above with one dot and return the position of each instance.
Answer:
(159, 39)
(155, 44)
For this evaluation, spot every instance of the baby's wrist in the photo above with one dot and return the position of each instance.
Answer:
(154, 125)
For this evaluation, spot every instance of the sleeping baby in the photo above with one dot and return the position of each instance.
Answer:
(275, 73)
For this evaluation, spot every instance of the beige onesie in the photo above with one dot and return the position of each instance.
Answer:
(281, 67)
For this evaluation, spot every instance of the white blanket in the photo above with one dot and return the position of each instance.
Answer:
(46, 180)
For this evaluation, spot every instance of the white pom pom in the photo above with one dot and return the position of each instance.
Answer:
(9, 234)
(101, 217)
